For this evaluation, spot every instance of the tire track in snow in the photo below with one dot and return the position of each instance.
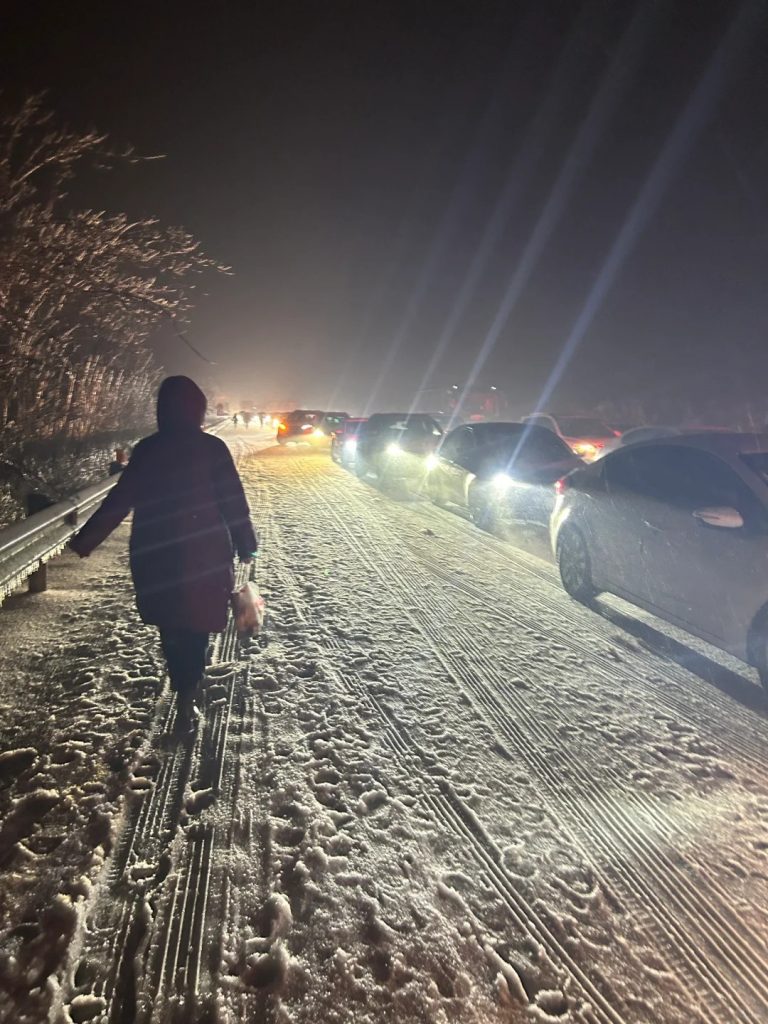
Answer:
(466, 815)
(155, 880)
(752, 968)
(449, 810)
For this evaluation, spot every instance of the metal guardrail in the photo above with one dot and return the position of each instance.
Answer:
(26, 546)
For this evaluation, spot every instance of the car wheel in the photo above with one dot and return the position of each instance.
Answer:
(575, 566)
(758, 646)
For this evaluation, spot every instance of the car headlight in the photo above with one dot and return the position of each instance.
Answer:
(393, 448)
(431, 461)
(317, 432)
(350, 444)
(502, 481)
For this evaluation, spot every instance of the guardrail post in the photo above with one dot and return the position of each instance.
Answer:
(38, 580)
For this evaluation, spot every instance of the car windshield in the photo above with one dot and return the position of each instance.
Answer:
(582, 426)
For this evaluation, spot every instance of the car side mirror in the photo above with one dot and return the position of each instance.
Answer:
(723, 517)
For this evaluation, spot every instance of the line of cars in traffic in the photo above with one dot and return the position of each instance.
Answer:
(675, 522)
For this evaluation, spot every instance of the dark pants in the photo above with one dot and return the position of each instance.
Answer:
(184, 652)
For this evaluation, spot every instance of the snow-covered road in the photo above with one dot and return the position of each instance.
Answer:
(443, 792)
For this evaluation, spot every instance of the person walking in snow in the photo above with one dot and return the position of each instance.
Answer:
(190, 518)
(235, 420)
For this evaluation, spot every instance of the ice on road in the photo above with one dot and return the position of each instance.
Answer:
(442, 792)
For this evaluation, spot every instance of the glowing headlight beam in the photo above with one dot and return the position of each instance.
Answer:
(602, 109)
(689, 124)
(524, 169)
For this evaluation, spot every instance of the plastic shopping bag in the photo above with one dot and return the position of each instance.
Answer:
(248, 609)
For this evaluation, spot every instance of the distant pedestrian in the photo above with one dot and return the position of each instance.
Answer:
(247, 417)
(235, 420)
(262, 418)
(190, 517)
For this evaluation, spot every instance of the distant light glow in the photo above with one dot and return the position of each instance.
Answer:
(394, 449)
(585, 449)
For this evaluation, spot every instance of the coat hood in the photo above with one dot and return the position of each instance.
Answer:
(181, 405)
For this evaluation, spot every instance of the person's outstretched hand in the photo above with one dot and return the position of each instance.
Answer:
(74, 545)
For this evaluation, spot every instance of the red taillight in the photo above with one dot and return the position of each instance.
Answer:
(599, 445)
(562, 485)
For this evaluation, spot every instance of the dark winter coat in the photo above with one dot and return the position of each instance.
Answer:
(190, 517)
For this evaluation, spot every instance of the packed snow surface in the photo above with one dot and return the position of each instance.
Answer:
(441, 792)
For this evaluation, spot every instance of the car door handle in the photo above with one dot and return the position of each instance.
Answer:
(652, 526)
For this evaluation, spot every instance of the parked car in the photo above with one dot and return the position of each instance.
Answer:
(331, 422)
(586, 436)
(499, 472)
(393, 446)
(322, 435)
(678, 526)
(344, 441)
(297, 427)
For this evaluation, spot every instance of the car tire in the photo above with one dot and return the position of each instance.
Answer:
(758, 647)
(575, 566)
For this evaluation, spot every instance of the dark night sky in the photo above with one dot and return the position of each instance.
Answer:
(349, 159)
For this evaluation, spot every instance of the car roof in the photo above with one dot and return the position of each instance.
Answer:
(522, 427)
(723, 443)
(483, 424)
(401, 416)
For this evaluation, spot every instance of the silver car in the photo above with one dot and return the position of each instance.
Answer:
(500, 473)
(678, 526)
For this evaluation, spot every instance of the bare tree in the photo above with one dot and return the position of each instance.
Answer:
(80, 290)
